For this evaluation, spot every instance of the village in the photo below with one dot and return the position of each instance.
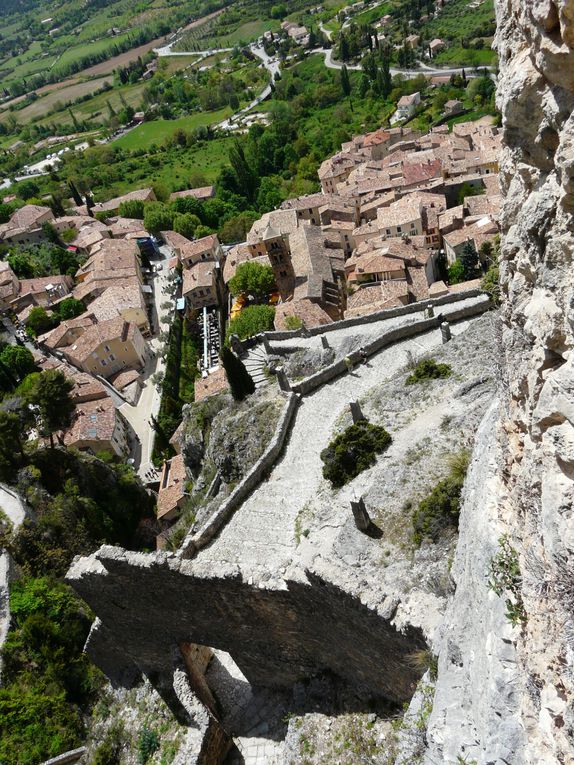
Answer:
(396, 211)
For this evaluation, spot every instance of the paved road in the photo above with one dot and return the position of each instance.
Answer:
(139, 416)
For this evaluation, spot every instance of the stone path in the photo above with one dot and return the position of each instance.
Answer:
(347, 339)
(255, 362)
(253, 716)
(259, 539)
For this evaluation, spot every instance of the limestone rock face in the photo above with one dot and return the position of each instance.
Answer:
(536, 45)
(504, 694)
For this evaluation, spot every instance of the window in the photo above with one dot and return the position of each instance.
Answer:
(388, 232)
(112, 357)
(107, 348)
(413, 225)
(103, 363)
(399, 229)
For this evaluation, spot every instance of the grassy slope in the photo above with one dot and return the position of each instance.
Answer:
(156, 132)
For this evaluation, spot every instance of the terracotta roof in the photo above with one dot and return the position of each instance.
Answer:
(172, 485)
(214, 383)
(116, 299)
(98, 334)
(124, 378)
(311, 314)
(27, 217)
(94, 422)
(200, 275)
(55, 337)
(202, 192)
(193, 249)
(145, 195)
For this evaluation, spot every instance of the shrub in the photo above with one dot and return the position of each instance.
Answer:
(491, 283)
(148, 744)
(506, 579)
(441, 508)
(353, 451)
(428, 369)
(293, 322)
(251, 321)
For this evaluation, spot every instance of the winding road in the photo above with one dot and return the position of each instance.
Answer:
(273, 66)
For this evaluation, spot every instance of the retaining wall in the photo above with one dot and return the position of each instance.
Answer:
(388, 313)
(392, 336)
(62, 759)
(371, 318)
(194, 542)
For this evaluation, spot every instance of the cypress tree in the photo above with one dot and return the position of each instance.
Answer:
(238, 377)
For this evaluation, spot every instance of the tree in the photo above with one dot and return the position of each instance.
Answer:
(27, 190)
(469, 260)
(21, 265)
(202, 231)
(345, 81)
(456, 272)
(10, 443)
(344, 48)
(251, 321)
(253, 279)
(51, 395)
(246, 177)
(186, 224)
(39, 321)
(157, 217)
(132, 208)
(238, 377)
(69, 308)
(18, 359)
(75, 193)
(235, 229)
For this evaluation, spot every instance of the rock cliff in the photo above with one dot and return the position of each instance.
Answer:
(505, 693)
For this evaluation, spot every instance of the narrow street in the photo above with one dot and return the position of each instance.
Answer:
(139, 416)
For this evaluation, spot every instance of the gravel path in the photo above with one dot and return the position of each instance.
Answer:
(259, 539)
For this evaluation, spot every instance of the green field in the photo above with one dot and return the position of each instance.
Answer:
(457, 20)
(157, 131)
(457, 55)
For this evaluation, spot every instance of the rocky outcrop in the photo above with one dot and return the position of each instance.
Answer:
(506, 694)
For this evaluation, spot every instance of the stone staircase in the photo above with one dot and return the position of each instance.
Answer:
(255, 361)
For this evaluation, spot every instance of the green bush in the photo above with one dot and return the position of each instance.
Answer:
(148, 744)
(293, 322)
(428, 369)
(251, 321)
(47, 679)
(353, 451)
(440, 509)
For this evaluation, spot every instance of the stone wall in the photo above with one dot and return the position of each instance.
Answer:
(277, 634)
(198, 539)
(338, 368)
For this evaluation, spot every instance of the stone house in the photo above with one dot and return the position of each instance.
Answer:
(407, 106)
(97, 427)
(172, 489)
(108, 347)
(200, 284)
